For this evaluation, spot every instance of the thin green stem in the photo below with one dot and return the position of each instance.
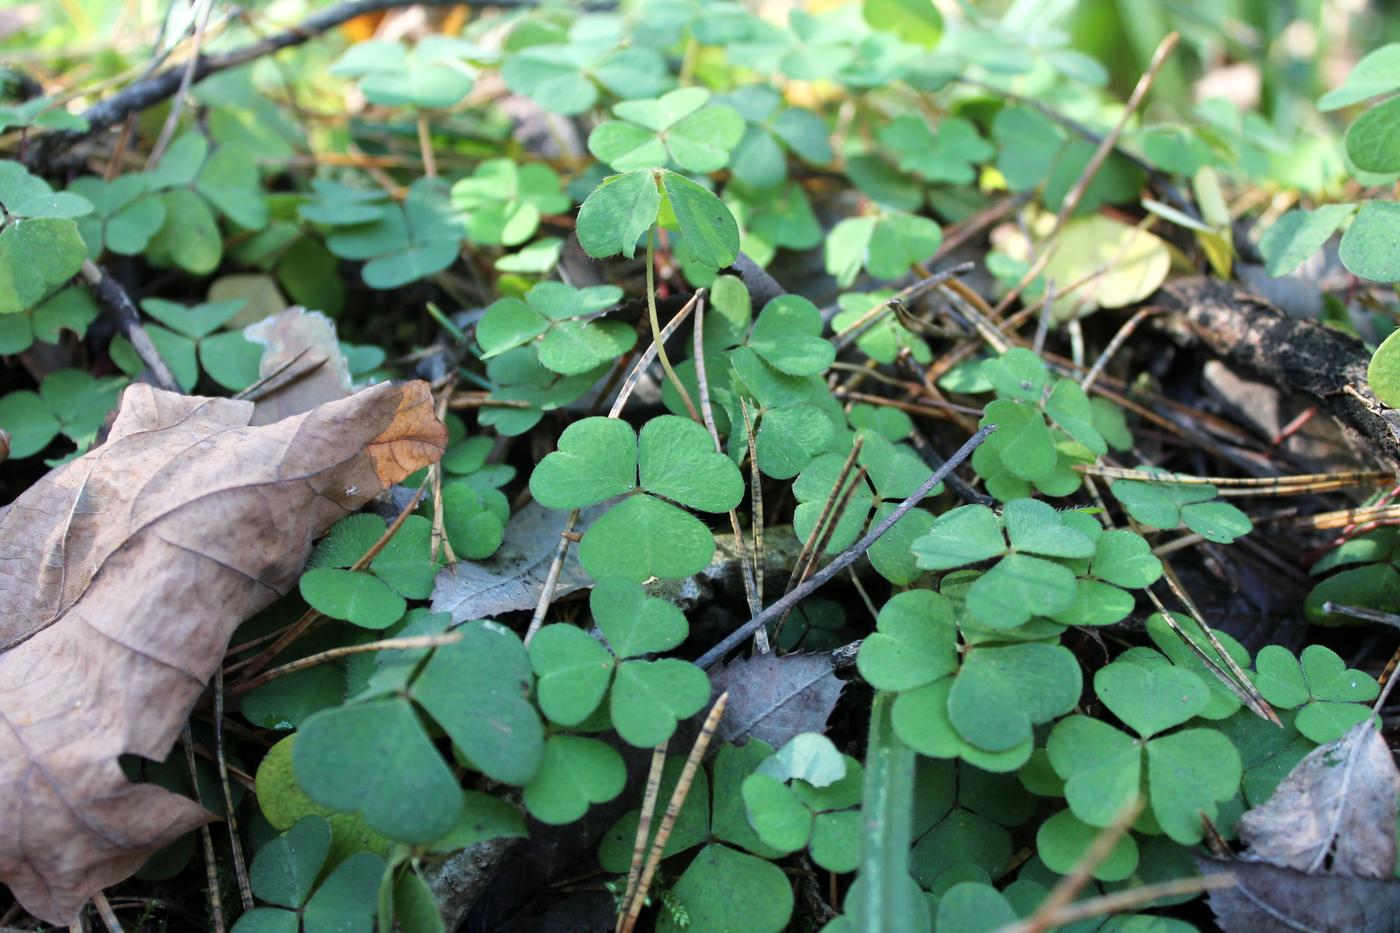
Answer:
(656, 328)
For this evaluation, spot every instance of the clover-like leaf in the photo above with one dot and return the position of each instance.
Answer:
(1124, 558)
(1000, 692)
(1017, 374)
(788, 335)
(678, 460)
(339, 761)
(617, 213)
(1328, 695)
(633, 622)
(1063, 840)
(1035, 527)
(502, 202)
(1101, 766)
(1018, 587)
(650, 697)
(782, 821)
(644, 537)
(360, 598)
(596, 460)
(1150, 700)
(575, 773)
(285, 869)
(711, 235)
(915, 642)
(965, 535)
(680, 127)
(574, 671)
(1168, 504)
(477, 689)
(921, 720)
(1188, 773)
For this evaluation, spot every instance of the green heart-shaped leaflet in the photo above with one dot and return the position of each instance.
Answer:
(284, 870)
(1150, 700)
(965, 535)
(339, 760)
(643, 537)
(1035, 527)
(650, 697)
(678, 460)
(478, 690)
(915, 642)
(574, 672)
(633, 622)
(1000, 692)
(596, 460)
(575, 773)
(787, 335)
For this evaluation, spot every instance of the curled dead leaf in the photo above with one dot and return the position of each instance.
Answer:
(122, 576)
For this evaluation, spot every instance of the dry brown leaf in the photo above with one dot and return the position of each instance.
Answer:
(1337, 804)
(122, 576)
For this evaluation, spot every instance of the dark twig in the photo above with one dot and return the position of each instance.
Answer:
(167, 83)
(845, 558)
(111, 296)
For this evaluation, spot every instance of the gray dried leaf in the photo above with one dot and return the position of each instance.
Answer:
(1339, 801)
(1266, 899)
(511, 579)
(775, 698)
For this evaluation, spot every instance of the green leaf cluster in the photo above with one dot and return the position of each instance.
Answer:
(649, 532)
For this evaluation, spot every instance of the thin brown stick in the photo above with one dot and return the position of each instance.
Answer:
(240, 867)
(111, 296)
(561, 551)
(639, 846)
(177, 104)
(824, 515)
(845, 558)
(1115, 345)
(1072, 883)
(253, 665)
(425, 146)
(345, 651)
(673, 809)
(746, 571)
(104, 910)
(211, 871)
(1123, 900)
